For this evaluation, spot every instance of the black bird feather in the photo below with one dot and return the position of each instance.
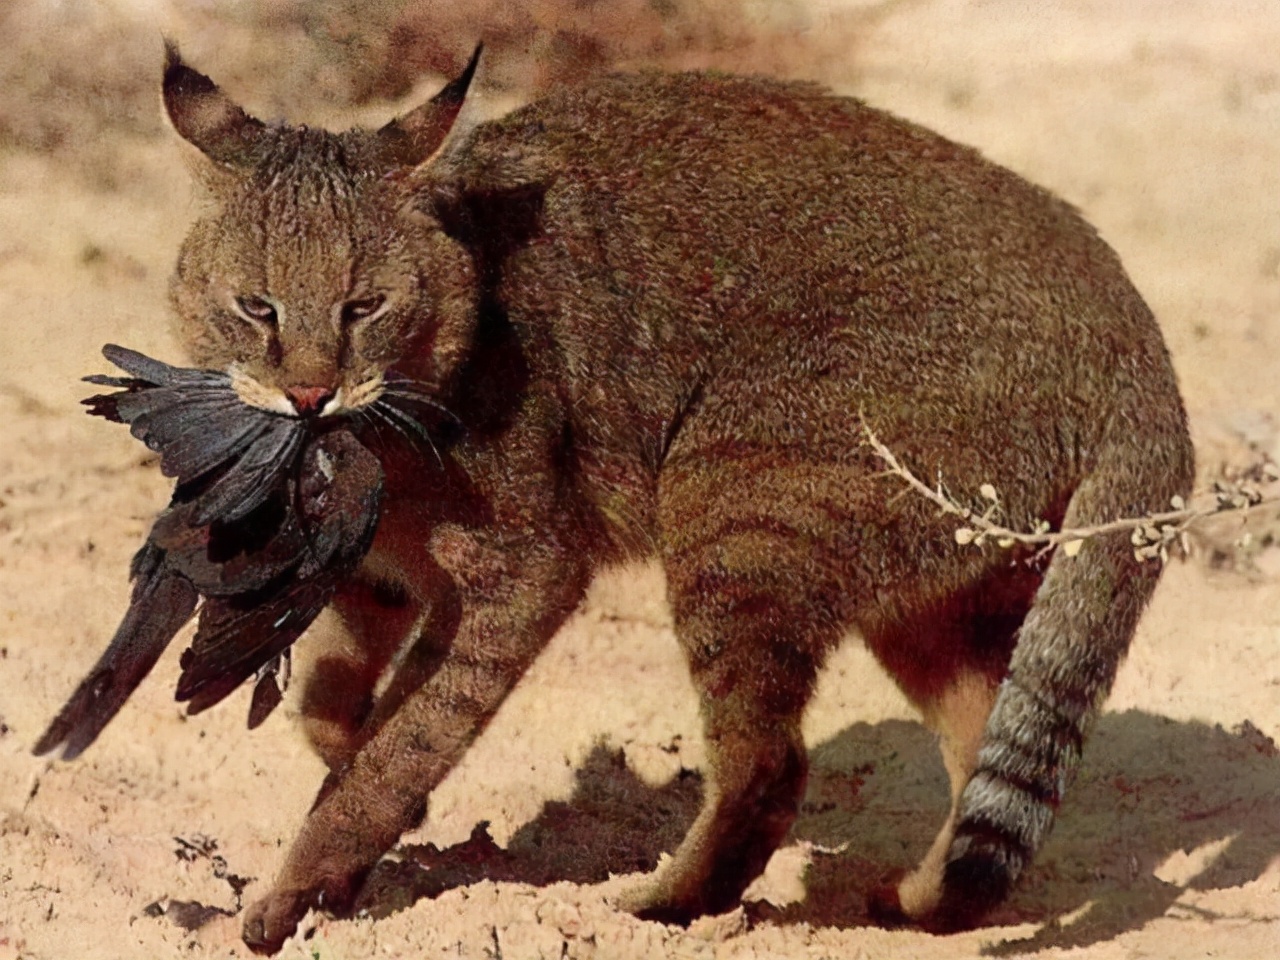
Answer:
(269, 515)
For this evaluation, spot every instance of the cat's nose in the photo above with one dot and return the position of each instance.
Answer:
(309, 401)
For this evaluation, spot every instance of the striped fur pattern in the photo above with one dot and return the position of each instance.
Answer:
(646, 318)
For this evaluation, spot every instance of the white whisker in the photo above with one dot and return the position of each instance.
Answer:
(399, 419)
(350, 399)
(406, 391)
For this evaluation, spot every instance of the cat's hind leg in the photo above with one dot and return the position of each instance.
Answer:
(751, 601)
(958, 716)
(949, 660)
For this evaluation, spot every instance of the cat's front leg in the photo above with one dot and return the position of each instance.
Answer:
(513, 600)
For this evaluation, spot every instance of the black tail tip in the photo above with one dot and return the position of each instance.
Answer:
(975, 881)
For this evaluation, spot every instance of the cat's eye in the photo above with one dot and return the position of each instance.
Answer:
(362, 309)
(258, 309)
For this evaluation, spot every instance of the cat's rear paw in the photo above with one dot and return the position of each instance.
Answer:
(884, 907)
(979, 874)
(958, 898)
(972, 886)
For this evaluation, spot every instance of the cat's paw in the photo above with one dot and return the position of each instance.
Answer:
(269, 922)
(973, 885)
(884, 907)
(661, 901)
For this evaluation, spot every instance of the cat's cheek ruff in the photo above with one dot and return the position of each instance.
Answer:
(254, 393)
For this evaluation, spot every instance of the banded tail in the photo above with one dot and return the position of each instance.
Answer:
(1069, 649)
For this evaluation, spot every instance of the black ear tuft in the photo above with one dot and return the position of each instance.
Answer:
(204, 116)
(455, 91)
(172, 62)
(415, 138)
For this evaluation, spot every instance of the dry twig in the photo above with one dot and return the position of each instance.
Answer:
(1151, 535)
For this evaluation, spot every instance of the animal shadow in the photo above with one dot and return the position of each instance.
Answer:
(613, 823)
(1149, 788)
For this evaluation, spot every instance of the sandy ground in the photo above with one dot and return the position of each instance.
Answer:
(1160, 118)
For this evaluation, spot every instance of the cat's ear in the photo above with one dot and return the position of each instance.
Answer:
(207, 118)
(420, 136)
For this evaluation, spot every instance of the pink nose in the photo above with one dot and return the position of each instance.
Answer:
(308, 400)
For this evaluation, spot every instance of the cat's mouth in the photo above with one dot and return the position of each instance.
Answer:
(305, 402)
(387, 401)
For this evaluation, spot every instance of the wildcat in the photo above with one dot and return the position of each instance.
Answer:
(649, 317)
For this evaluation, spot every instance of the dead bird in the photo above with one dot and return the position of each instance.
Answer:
(270, 514)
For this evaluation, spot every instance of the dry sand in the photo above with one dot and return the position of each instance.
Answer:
(1159, 118)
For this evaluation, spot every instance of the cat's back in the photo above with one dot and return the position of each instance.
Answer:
(699, 212)
(741, 157)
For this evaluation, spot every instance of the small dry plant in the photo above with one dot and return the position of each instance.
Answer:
(1152, 536)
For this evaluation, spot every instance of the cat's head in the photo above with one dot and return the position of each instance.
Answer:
(318, 265)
